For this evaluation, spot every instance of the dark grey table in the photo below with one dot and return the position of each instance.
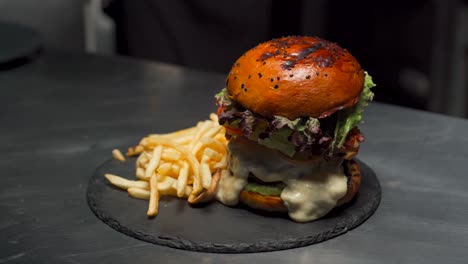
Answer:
(61, 116)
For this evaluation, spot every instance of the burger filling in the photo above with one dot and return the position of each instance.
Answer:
(299, 160)
(308, 189)
(304, 134)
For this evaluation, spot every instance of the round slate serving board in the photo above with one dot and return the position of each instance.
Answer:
(218, 228)
(18, 45)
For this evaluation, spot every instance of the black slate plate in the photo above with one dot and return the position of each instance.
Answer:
(218, 228)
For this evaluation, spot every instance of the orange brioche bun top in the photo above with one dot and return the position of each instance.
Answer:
(296, 76)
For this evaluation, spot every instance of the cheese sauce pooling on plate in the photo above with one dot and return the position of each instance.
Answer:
(312, 188)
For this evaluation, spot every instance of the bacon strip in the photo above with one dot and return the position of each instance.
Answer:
(351, 146)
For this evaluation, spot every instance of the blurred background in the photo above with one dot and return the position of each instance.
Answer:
(417, 51)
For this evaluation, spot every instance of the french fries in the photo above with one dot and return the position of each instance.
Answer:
(214, 117)
(206, 175)
(118, 155)
(140, 173)
(137, 150)
(182, 180)
(154, 161)
(185, 164)
(139, 193)
(123, 183)
(154, 197)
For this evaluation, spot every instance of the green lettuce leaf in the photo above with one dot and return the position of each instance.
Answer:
(279, 140)
(269, 189)
(297, 124)
(349, 118)
(222, 98)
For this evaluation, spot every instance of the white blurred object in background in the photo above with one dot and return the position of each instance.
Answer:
(99, 29)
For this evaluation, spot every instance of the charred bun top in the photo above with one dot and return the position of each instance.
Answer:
(296, 76)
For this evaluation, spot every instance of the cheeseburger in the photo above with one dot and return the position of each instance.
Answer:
(291, 107)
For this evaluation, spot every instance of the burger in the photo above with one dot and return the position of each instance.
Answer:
(290, 108)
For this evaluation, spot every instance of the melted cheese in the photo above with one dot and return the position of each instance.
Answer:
(311, 197)
(229, 188)
(312, 188)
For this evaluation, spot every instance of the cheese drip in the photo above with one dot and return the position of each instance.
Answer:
(312, 188)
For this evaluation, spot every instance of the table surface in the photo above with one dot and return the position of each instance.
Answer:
(61, 116)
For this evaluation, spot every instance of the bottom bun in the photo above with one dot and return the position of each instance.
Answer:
(263, 202)
(353, 173)
(275, 203)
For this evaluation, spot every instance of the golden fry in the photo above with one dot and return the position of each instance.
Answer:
(175, 169)
(154, 162)
(171, 155)
(188, 191)
(165, 183)
(118, 155)
(206, 175)
(184, 140)
(164, 169)
(123, 183)
(190, 180)
(154, 197)
(140, 174)
(214, 117)
(134, 151)
(222, 164)
(166, 186)
(139, 193)
(182, 180)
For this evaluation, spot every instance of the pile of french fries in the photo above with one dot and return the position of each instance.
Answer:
(187, 163)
